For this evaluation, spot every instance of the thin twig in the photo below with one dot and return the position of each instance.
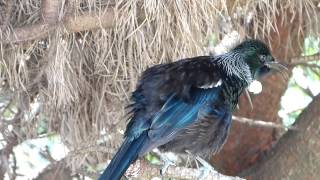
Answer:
(304, 59)
(14, 166)
(260, 123)
(310, 65)
(47, 155)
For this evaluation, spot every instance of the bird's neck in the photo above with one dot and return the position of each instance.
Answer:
(232, 88)
(236, 76)
(233, 65)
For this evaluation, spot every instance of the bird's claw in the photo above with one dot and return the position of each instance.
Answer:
(205, 169)
(167, 161)
(167, 164)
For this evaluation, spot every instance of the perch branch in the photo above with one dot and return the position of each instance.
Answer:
(147, 170)
(179, 172)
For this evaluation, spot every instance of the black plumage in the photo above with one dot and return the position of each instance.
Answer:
(188, 104)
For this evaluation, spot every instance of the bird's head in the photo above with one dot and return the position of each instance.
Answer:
(258, 57)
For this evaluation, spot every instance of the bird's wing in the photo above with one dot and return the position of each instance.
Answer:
(161, 81)
(177, 114)
(168, 91)
(206, 135)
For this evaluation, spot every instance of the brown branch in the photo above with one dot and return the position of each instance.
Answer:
(57, 170)
(146, 170)
(27, 33)
(260, 123)
(87, 21)
(307, 91)
(12, 141)
(304, 59)
(46, 154)
(14, 166)
(178, 172)
(309, 65)
(296, 155)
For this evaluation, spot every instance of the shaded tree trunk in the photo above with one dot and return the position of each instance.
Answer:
(297, 154)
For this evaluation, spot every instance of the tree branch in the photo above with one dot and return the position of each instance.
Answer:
(296, 155)
(57, 170)
(304, 59)
(87, 21)
(260, 123)
(178, 172)
(142, 168)
(12, 141)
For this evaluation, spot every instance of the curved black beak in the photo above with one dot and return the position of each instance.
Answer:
(276, 66)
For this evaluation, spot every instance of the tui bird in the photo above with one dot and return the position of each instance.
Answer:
(187, 105)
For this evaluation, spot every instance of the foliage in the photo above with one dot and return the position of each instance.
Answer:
(304, 84)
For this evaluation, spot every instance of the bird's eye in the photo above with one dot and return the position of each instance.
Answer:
(262, 58)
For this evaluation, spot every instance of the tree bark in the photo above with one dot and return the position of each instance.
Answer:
(297, 154)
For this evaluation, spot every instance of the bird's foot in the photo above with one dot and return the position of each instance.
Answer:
(168, 159)
(167, 164)
(205, 170)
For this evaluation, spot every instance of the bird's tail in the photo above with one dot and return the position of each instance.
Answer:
(126, 155)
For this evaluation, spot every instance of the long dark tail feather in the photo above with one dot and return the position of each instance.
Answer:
(126, 155)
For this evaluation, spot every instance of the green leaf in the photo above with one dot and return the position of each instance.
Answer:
(152, 158)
